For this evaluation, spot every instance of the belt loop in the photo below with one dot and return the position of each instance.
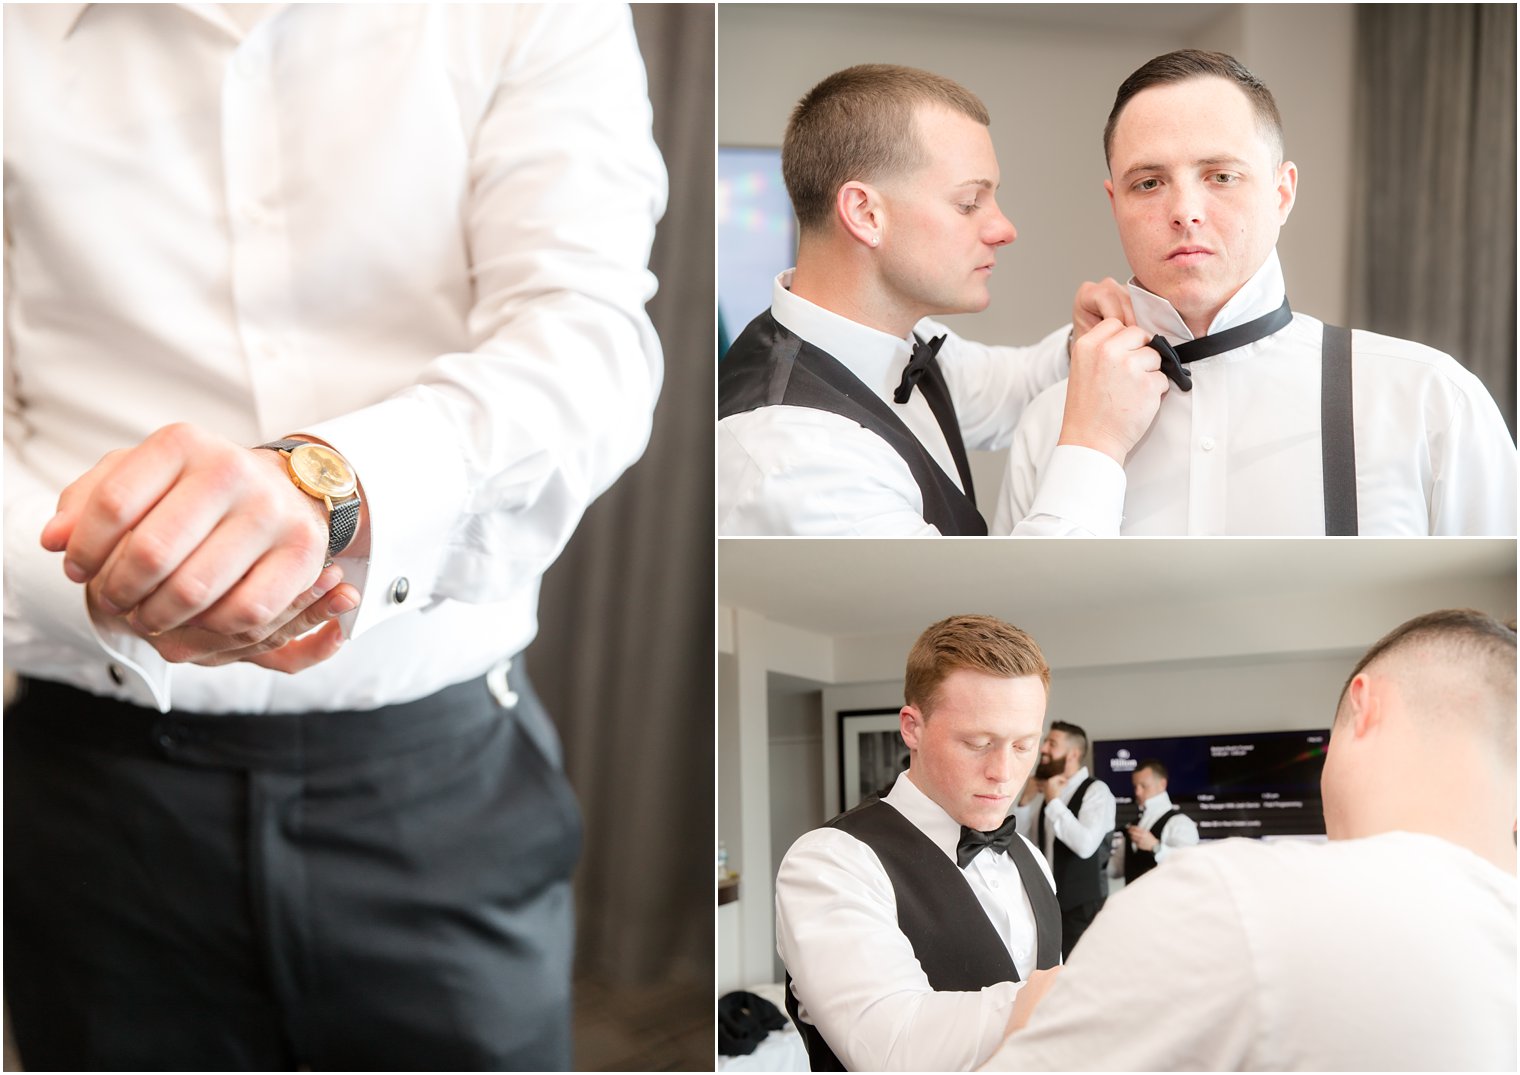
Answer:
(496, 683)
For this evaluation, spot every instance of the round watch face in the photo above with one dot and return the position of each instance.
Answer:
(322, 472)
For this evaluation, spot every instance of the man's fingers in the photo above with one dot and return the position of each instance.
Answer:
(60, 528)
(303, 653)
(118, 499)
(272, 583)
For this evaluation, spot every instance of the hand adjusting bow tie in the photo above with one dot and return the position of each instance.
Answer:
(1174, 360)
(918, 367)
(974, 840)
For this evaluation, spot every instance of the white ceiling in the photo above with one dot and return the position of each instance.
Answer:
(864, 587)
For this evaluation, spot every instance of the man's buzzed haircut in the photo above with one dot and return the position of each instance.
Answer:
(982, 644)
(1185, 64)
(1478, 646)
(858, 124)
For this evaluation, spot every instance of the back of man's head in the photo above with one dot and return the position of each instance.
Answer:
(859, 124)
(1187, 64)
(983, 644)
(1455, 672)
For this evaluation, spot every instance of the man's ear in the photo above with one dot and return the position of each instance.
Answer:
(859, 208)
(912, 723)
(1108, 185)
(1364, 708)
(1287, 190)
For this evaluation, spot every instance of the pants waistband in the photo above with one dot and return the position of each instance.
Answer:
(278, 741)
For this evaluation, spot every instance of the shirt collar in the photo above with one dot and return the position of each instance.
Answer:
(1072, 785)
(929, 817)
(1155, 806)
(1257, 297)
(70, 14)
(870, 354)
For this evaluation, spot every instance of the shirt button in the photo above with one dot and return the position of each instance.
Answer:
(992, 881)
(1207, 444)
(117, 673)
(253, 213)
(399, 590)
(245, 65)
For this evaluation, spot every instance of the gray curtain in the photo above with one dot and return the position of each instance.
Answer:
(624, 656)
(1433, 241)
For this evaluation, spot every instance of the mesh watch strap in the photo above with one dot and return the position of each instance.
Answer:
(342, 520)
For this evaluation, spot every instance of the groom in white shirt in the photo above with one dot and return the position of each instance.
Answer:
(909, 924)
(1391, 947)
(1412, 443)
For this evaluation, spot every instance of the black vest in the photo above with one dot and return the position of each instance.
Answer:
(958, 948)
(769, 366)
(1076, 878)
(1137, 863)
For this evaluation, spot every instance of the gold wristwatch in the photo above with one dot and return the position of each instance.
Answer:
(320, 472)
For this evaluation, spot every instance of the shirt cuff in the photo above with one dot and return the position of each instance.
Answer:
(1084, 487)
(412, 474)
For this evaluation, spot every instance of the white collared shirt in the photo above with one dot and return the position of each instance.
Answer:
(1390, 953)
(1240, 453)
(1085, 830)
(1180, 832)
(796, 470)
(418, 233)
(853, 970)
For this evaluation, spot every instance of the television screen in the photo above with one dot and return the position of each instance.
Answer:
(757, 234)
(1260, 784)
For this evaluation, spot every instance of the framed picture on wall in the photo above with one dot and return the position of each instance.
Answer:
(871, 753)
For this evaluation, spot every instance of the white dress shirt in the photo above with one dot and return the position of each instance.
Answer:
(417, 233)
(1180, 832)
(1390, 953)
(853, 970)
(1084, 831)
(1240, 453)
(797, 470)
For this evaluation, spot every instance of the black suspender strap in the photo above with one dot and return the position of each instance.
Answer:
(1336, 433)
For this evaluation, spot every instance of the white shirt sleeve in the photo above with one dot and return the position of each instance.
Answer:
(477, 473)
(1180, 927)
(1083, 832)
(991, 385)
(1472, 466)
(798, 471)
(1057, 490)
(854, 972)
(1180, 832)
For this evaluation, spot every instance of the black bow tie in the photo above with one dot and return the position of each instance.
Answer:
(918, 366)
(1174, 360)
(974, 840)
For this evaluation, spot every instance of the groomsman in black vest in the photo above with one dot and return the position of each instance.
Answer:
(910, 925)
(843, 411)
(1071, 826)
(1162, 828)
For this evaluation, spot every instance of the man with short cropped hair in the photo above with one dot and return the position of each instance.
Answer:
(843, 410)
(1162, 829)
(1276, 423)
(1391, 947)
(909, 924)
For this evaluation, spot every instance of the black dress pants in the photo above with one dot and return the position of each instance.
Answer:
(381, 890)
(1074, 923)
